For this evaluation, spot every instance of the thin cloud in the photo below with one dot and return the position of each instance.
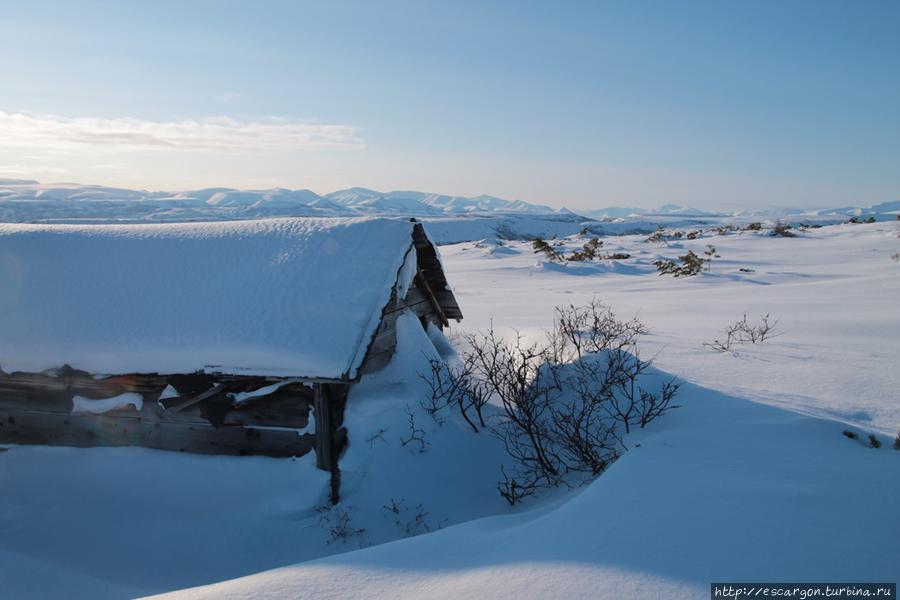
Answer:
(229, 96)
(18, 169)
(50, 132)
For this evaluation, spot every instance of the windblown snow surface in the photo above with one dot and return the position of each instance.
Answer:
(750, 479)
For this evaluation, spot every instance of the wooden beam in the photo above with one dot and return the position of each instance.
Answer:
(324, 438)
(423, 283)
(84, 430)
(285, 408)
(215, 389)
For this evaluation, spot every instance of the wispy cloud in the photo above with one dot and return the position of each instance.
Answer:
(18, 169)
(222, 134)
(229, 96)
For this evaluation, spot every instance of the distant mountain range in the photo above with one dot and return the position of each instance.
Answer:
(342, 202)
(24, 200)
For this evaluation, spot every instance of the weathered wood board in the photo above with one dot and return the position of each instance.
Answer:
(86, 430)
(38, 409)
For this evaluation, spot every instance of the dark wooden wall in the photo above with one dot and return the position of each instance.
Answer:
(37, 409)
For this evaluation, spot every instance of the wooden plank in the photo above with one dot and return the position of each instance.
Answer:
(422, 284)
(284, 408)
(215, 389)
(384, 342)
(82, 383)
(80, 430)
(433, 272)
(324, 441)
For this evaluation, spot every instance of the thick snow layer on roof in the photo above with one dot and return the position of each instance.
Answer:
(290, 297)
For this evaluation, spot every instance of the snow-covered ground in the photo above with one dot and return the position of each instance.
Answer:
(751, 479)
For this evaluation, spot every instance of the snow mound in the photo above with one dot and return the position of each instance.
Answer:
(721, 490)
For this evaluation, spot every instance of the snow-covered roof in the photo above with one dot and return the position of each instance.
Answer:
(285, 297)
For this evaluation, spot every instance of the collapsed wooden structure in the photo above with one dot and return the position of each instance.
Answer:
(280, 401)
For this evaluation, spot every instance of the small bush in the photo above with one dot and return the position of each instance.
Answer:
(412, 521)
(665, 266)
(850, 434)
(586, 252)
(336, 521)
(744, 332)
(378, 436)
(897, 442)
(782, 230)
(617, 256)
(658, 236)
(542, 247)
(564, 399)
(710, 254)
(455, 386)
(691, 265)
(416, 436)
(754, 227)
(874, 441)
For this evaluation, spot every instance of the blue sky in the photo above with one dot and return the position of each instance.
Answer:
(713, 104)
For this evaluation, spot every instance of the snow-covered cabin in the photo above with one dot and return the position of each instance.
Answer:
(202, 336)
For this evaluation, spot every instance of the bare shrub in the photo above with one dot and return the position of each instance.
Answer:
(593, 328)
(564, 399)
(613, 386)
(517, 376)
(710, 254)
(412, 521)
(874, 442)
(415, 436)
(455, 386)
(897, 441)
(378, 436)
(744, 332)
(515, 490)
(337, 523)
